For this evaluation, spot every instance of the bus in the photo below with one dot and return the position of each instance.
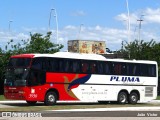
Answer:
(65, 76)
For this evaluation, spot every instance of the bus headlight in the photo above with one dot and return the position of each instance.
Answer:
(21, 92)
(5, 91)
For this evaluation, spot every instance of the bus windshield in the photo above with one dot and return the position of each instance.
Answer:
(16, 76)
(19, 62)
(17, 72)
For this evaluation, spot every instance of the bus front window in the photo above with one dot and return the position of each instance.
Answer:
(16, 76)
(17, 72)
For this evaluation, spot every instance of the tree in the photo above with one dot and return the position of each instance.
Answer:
(40, 44)
(139, 50)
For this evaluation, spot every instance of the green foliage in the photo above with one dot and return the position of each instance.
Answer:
(40, 44)
(140, 50)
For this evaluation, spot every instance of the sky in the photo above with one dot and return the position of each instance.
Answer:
(103, 20)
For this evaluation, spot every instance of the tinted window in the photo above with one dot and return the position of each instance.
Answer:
(116, 69)
(144, 70)
(85, 67)
(36, 77)
(53, 63)
(76, 66)
(100, 67)
(61, 65)
(68, 66)
(19, 62)
(152, 70)
(37, 63)
(93, 67)
(133, 69)
(107, 68)
(148, 70)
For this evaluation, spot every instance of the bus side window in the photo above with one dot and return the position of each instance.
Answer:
(37, 77)
(133, 69)
(68, 66)
(148, 70)
(106, 67)
(93, 67)
(37, 63)
(44, 66)
(144, 70)
(85, 67)
(55, 65)
(61, 65)
(124, 69)
(76, 66)
(100, 67)
(117, 69)
(152, 70)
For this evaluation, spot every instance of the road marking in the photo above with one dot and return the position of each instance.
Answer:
(115, 109)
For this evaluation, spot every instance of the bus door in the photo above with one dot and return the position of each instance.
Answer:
(36, 81)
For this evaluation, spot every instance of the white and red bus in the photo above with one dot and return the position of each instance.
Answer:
(65, 76)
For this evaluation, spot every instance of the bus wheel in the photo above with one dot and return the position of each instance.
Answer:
(50, 98)
(133, 98)
(31, 102)
(122, 98)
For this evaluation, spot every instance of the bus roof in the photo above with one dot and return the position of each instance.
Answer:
(81, 56)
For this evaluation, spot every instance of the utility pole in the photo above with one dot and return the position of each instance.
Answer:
(9, 28)
(140, 22)
(80, 29)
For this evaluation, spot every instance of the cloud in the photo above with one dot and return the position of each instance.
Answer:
(7, 36)
(150, 16)
(79, 13)
(112, 36)
(124, 18)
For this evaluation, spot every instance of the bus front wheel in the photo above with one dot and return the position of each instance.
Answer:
(50, 98)
(133, 98)
(122, 97)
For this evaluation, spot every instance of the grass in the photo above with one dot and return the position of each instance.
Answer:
(2, 97)
(158, 98)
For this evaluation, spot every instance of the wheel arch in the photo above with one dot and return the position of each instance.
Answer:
(53, 90)
(123, 90)
(120, 99)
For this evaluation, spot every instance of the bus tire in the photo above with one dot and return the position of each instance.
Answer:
(122, 98)
(50, 98)
(133, 98)
(31, 102)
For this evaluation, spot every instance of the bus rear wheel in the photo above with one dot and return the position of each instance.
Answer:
(50, 98)
(31, 102)
(122, 98)
(133, 98)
